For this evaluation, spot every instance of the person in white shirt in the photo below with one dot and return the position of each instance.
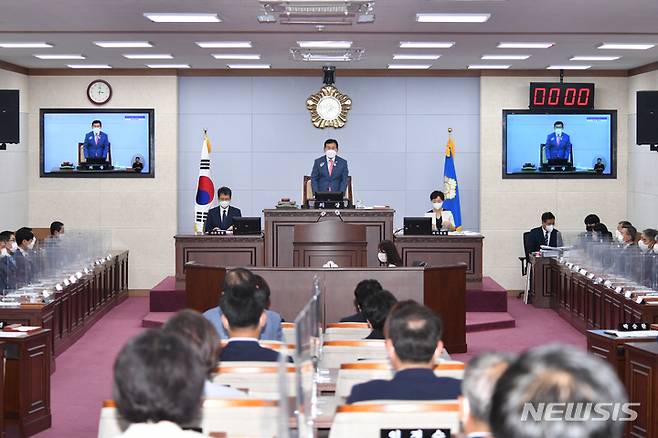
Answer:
(447, 220)
(158, 386)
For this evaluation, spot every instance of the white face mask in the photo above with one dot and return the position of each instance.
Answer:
(549, 228)
(558, 131)
(31, 244)
(13, 247)
(224, 204)
(331, 154)
(619, 236)
(4, 252)
(643, 246)
(437, 205)
(96, 131)
(382, 257)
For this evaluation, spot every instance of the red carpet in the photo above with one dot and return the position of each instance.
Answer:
(84, 372)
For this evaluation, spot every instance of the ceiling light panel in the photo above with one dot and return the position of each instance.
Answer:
(319, 12)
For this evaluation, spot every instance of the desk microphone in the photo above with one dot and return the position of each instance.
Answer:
(322, 214)
(337, 213)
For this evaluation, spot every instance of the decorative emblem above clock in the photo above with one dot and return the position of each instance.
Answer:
(329, 106)
(99, 92)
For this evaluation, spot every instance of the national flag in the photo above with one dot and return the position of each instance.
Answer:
(205, 189)
(450, 185)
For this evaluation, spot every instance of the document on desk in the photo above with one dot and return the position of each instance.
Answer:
(12, 334)
(632, 335)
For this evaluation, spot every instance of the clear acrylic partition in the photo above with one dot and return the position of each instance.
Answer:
(308, 325)
(36, 275)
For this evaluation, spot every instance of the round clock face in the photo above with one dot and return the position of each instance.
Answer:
(99, 92)
(329, 108)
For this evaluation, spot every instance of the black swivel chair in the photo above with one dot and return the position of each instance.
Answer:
(524, 260)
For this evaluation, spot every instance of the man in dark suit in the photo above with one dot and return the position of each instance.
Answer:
(329, 172)
(7, 262)
(243, 316)
(221, 218)
(24, 256)
(558, 144)
(96, 144)
(376, 308)
(547, 234)
(413, 341)
(363, 290)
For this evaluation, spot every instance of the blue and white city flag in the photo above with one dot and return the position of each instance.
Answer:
(450, 185)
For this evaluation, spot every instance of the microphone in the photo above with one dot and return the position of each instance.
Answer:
(322, 214)
(337, 213)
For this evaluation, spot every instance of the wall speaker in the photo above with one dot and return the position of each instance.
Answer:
(9, 116)
(647, 117)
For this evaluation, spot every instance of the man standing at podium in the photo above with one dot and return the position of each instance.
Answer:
(96, 145)
(330, 172)
(221, 218)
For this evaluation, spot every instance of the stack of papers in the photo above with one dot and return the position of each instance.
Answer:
(632, 335)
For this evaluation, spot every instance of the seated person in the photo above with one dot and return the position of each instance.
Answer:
(547, 234)
(478, 386)
(376, 308)
(158, 386)
(221, 218)
(7, 263)
(272, 330)
(601, 233)
(648, 241)
(413, 342)
(24, 256)
(195, 330)
(563, 375)
(447, 220)
(621, 225)
(388, 254)
(363, 290)
(628, 236)
(57, 229)
(591, 220)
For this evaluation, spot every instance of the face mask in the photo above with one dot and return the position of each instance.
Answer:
(643, 246)
(14, 247)
(31, 244)
(558, 131)
(619, 236)
(224, 204)
(382, 257)
(437, 205)
(96, 131)
(331, 154)
(4, 252)
(549, 228)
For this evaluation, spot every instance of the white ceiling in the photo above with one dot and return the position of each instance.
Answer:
(576, 26)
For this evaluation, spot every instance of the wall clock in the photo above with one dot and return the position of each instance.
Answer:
(99, 92)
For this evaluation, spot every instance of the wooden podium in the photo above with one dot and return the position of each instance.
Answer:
(316, 244)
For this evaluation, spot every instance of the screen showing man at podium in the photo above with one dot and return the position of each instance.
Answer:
(96, 144)
(330, 171)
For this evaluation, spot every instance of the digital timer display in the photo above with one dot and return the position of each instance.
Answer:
(552, 95)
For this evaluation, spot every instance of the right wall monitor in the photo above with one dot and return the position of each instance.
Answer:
(565, 144)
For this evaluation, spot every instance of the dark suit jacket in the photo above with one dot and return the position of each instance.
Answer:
(24, 268)
(375, 334)
(214, 219)
(7, 273)
(249, 351)
(322, 182)
(93, 150)
(357, 317)
(555, 150)
(537, 239)
(409, 384)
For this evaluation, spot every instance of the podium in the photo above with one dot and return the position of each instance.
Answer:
(316, 244)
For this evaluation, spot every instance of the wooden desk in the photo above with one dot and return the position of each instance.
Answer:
(442, 288)
(27, 383)
(642, 387)
(280, 223)
(612, 349)
(444, 250)
(225, 250)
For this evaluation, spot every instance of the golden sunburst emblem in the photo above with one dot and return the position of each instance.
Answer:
(328, 107)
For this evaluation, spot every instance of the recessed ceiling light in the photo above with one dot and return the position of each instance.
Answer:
(182, 18)
(568, 67)
(325, 44)
(426, 44)
(401, 56)
(505, 57)
(88, 66)
(123, 44)
(452, 18)
(249, 66)
(7, 45)
(236, 56)
(409, 66)
(625, 46)
(224, 44)
(60, 56)
(148, 56)
(168, 65)
(488, 67)
(509, 45)
(594, 58)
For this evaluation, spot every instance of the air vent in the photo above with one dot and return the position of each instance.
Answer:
(318, 12)
(327, 55)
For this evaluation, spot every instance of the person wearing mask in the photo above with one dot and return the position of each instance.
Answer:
(24, 256)
(558, 144)
(96, 144)
(194, 329)
(57, 229)
(647, 243)
(388, 254)
(363, 290)
(376, 308)
(221, 217)
(441, 219)
(591, 220)
(478, 386)
(546, 234)
(628, 236)
(600, 232)
(7, 262)
(329, 172)
(620, 225)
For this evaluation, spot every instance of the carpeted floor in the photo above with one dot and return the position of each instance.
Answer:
(84, 372)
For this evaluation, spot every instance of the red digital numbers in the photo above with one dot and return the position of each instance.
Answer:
(561, 95)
